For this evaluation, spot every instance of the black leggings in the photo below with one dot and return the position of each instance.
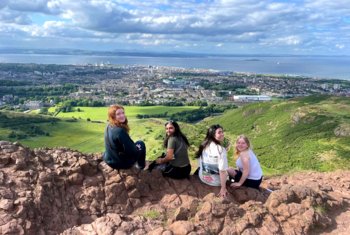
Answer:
(248, 182)
(140, 158)
(177, 172)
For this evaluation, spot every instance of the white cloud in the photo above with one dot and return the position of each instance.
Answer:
(3, 3)
(289, 40)
(282, 41)
(44, 6)
(281, 26)
(15, 18)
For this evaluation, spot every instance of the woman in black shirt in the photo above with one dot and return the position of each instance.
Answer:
(121, 151)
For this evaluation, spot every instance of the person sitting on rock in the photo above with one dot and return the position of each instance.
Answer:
(212, 159)
(120, 150)
(249, 172)
(175, 162)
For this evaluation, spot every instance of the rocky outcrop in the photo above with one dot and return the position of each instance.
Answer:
(342, 130)
(60, 191)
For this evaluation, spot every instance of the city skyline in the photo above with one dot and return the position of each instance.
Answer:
(199, 26)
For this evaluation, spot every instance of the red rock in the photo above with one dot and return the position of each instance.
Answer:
(53, 191)
(181, 227)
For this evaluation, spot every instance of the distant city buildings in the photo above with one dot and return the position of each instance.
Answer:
(153, 84)
(33, 104)
(251, 98)
(324, 86)
(8, 98)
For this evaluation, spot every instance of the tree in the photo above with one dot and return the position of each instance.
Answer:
(44, 110)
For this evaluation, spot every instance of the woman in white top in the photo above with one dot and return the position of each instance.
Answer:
(248, 172)
(212, 159)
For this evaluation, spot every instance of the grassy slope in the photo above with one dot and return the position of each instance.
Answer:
(287, 136)
(294, 135)
(100, 113)
(88, 136)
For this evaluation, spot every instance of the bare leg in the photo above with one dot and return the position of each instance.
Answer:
(231, 172)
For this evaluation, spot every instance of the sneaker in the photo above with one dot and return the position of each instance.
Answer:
(138, 167)
(152, 165)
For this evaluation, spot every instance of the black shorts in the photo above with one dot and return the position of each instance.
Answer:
(177, 172)
(248, 182)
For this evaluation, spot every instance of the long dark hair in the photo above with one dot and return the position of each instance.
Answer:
(210, 137)
(177, 133)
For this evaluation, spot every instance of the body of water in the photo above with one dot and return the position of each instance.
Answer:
(335, 67)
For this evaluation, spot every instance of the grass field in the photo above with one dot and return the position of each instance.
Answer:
(88, 137)
(100, 113)
(287, 136)
(81, 135)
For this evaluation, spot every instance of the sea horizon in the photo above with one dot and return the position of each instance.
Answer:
(323, 67)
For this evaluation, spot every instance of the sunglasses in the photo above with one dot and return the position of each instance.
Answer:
(170, 121)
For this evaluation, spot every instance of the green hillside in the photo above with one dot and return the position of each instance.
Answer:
(100, 113)
(86, 136)
(311, 133)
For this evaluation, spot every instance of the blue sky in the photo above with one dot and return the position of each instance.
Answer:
(309, 27)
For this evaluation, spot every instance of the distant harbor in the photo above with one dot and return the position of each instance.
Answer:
(332, 67)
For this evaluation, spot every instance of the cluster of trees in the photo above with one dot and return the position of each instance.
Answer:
(68, 105)
(39, 91)
(26, 132)
(23, 126)
(174, 103)
(191, 115)
(168, 103)
(15, 120)
(201, 113)
(227, 85)
(200, 103)
(14, 83)
(42, 93)
(159, 115)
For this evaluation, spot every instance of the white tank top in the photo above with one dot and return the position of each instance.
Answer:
(255, 171)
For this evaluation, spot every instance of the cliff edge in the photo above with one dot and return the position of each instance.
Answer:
(60, 191)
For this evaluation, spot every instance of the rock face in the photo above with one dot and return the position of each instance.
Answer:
(59, 191)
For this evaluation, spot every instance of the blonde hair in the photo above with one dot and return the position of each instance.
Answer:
(112, 117)
(246, 140)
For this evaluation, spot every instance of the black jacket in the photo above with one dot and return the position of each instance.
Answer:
(121, 152)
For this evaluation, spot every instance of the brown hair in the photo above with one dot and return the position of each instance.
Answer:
(210, 137)
(245, 138)
(113, 121)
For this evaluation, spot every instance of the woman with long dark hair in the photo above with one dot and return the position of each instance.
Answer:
(212, 159)
(176, 162)
(121, 151)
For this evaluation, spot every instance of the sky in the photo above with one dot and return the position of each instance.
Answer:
(300, 27)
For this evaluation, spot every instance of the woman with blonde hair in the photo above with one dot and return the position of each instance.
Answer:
(121, 151)
(248, 172)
